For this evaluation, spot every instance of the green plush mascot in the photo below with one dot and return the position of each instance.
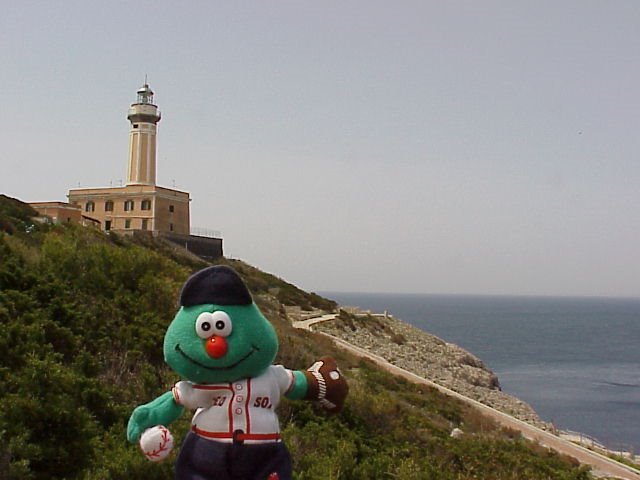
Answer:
(223, 347)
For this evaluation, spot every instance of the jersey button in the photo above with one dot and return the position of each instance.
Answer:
(238, 411)
(239, 399)
(238, 386)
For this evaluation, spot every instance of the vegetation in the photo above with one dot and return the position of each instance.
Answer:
(82, 320)
(374, 324)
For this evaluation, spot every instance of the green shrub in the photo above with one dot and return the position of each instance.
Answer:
(82, 321)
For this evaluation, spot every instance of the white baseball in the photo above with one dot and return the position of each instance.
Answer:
(156, 443)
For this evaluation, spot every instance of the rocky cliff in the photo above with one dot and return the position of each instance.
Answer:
(430, 357)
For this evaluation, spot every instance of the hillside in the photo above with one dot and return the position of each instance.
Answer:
(83, 315)
(430, 357)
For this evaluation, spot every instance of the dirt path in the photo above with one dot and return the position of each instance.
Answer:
(306, 324)
(602, 466)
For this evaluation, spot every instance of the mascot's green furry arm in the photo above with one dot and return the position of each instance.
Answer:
(223, 347)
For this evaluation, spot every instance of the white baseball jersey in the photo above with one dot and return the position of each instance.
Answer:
(247, 405)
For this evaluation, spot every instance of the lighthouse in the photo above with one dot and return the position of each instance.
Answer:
(140, 204)
(144, 117)
(140, 207)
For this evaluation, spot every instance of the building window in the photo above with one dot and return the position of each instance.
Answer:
(145, 223)
(135, 125)
(128, 205)
(171, 208)
(108, 206)
(89, 207)
(127, 223)
(145, 205)
(107, 225)
(171, 227)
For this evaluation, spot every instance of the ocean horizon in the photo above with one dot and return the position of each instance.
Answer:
(575, 360)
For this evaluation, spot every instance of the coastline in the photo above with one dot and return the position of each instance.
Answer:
(428, 356)
(573, 359)
(448, 365)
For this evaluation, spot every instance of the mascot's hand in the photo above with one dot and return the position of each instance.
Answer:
(326, 384)
(161, 411)
(139, 421)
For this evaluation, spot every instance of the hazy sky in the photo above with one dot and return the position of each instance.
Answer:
(397, 146)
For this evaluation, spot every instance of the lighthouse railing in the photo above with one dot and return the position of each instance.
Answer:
(205, 232)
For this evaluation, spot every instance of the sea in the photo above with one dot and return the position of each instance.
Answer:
(576, 361)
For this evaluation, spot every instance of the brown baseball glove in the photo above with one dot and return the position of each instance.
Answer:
(326, 384)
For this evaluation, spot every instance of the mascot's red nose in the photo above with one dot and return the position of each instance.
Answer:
(216, 347)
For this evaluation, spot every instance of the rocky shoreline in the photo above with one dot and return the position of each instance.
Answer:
(430, 357)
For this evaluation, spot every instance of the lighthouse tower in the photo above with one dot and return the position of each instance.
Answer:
(144, 117)
(141, 207)
(141, 204)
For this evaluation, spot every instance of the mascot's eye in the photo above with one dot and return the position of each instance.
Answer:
(204, 325)
(221, 324)
(216, 323)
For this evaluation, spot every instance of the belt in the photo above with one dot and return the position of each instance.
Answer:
(238, 436)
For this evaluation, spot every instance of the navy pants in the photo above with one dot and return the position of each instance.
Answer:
(202, 459)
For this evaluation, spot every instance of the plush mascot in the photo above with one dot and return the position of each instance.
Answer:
(223, 347)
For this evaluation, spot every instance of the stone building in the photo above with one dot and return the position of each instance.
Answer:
(140, 206)
(58, 212)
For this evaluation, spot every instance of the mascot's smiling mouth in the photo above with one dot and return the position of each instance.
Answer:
(228, 367)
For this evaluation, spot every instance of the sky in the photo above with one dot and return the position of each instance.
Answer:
(366, 146)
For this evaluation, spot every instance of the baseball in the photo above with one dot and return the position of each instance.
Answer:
(156, 443)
